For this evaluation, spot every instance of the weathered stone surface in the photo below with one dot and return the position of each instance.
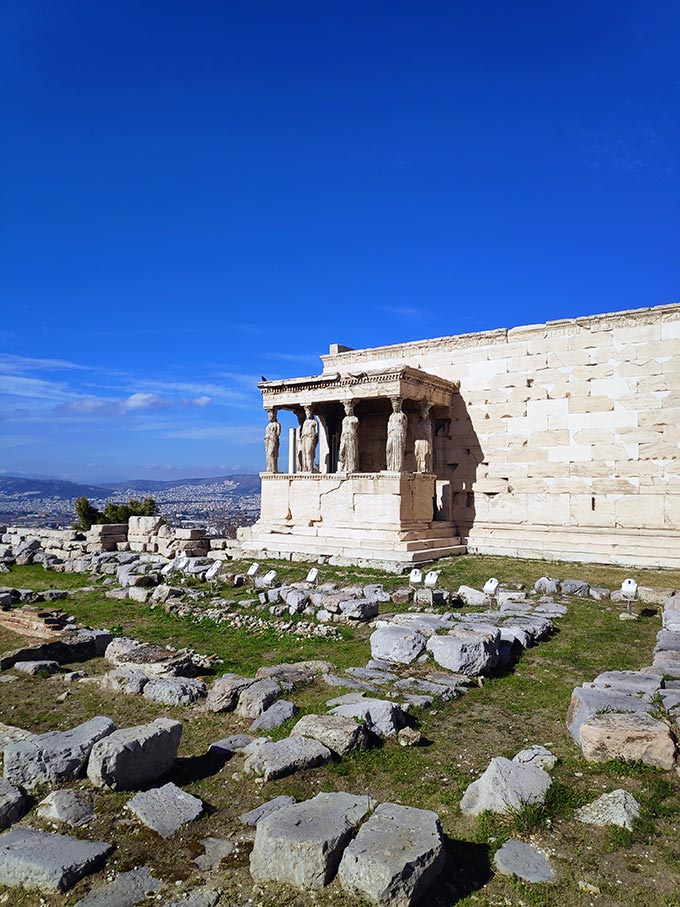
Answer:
(536, 755)
(214, 851)
(10, 734)
(199, 897)
(126, 890)
(227, 746)
(629, 736)
(265, 809)
(12, 804)
(49, 862)
(285, 757)
(75, 807)
(586, 702)
(302, 844)
(467, 649)
(515, 858)
(257, 697)
(472, 597)
(397, 854)
(505, 786)
(409, 736)
(174, 690)
(339, 734)
(380, 716)
(397, 644)
(155, 661)
(124, 680)
(165, 809)
(295, 673)
(547, 585)
(274, 716)
(359, 608)
(575, 587)
(36, 667)
(616, 808)
(135, 756)
(634, 683)
(55, 756)
(224, 693)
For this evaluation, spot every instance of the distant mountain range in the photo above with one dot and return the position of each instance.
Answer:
(58, 488)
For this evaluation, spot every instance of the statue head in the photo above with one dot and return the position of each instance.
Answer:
(349, 407)
(309, 412)
(271, 414)
(425, 408)
(396, 404)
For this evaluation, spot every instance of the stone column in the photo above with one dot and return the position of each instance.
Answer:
(348, 455)
(292, 450)
(272, 437)
(324, 445)
(397, 426)
(309, 437)
(423, 442)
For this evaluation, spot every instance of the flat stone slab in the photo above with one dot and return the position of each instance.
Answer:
(135, 756)
(265, 809)
(515, 858)
(285, 757)
(339, 734)
(504, 787)
(628, 736)
(214, 851)
(302, 844)
(634, 683)
(274, 716)
(586, 702)
(397, 854)
(36, 667)
(165, 809)
(174, 691)
(536, 755)
(227, 746)
(48, 862)
(400, 645)
(616, 808)
(56, 756)
(380, 716)
(12, 804)
(467, 649)
(126, 890)
(75, 807)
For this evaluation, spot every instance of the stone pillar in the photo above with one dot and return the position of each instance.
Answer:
(309, 439)
(272, 436)
(423, 442)
(292, 450)
(324, 445)
(397, 426)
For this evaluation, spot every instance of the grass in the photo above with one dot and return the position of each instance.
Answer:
(524, 705)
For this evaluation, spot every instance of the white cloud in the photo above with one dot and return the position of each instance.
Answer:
(142, 401)
(202, 401)
(10, 362)
(235, 434)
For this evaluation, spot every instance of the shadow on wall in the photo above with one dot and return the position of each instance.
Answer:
(458, 455)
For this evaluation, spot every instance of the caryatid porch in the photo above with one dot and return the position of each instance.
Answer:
(361, 479)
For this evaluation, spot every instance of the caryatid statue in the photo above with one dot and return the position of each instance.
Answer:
(348, 455)
(423, 445)
(309, 435)
(396, 437)
(272, 435)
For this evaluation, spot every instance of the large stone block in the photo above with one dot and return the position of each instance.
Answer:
(628, 736)
(505, 786)
(136, 756)
(48, 862)
(467, 649)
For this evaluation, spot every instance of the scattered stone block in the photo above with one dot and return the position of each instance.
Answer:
(295, 673)
(359, 608)
(629, 736)
(230, 745)
(471, 596)
(536, 755)
(340, 734)
(133, 757)
(505, 786)
(174, 691)
(124, 680)
(165, 809)
(75, 807)
(12, 804)
(126, 890)
(285, 757)
(36, 667)
(215, 850)
(224, 694)
(586, 702)
(547, 585)
(265, 809)
(616, 808)
(397, 854)
(257, 697)
(55, 756)
(409, 736)
(380, 716)
(302, 844)
(515, 858)
(467, 649)
(49, 862)
(633, 683)
(199, 897)
(575, 587)
(401, 645)
(274, 716)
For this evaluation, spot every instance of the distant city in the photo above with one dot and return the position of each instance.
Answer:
(218, 504)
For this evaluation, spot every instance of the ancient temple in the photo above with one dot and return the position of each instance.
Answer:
(361, 483)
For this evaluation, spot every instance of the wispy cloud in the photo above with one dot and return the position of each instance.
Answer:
(12, 364)
(403, 311)
(234, 434)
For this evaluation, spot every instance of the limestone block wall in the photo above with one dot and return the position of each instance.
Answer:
(564, 440)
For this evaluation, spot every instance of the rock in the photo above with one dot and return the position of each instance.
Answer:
(298, 672)
(174, 691)
(547, 585)
(257, 697)
(341, 735)
(75, 807)
(380, 716)
(599, 593)
(10, 734)
(536, 755)
(274, 716)
(586, 702)
(135, 756)
(285, 757)
(629, 736)
(575, 587)
(302, 844)
(515, 858)
(225, 692)
(408, 736)
(55, 756)
(215, 850)
(36, 667)
(397, 644)
(397, 854)
(165, 809)
(445, 691)
(472, 597)
(155, 661)
(199, 897)
(467, 649)
(230, 745)
(12, 804)
(49, 862)
(634, 683)
(616, 808)
(126, 890)
(124, 680)
(505, 786)
(265, 809)
(359, 608)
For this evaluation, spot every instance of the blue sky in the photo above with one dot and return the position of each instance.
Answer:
(197, 194)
